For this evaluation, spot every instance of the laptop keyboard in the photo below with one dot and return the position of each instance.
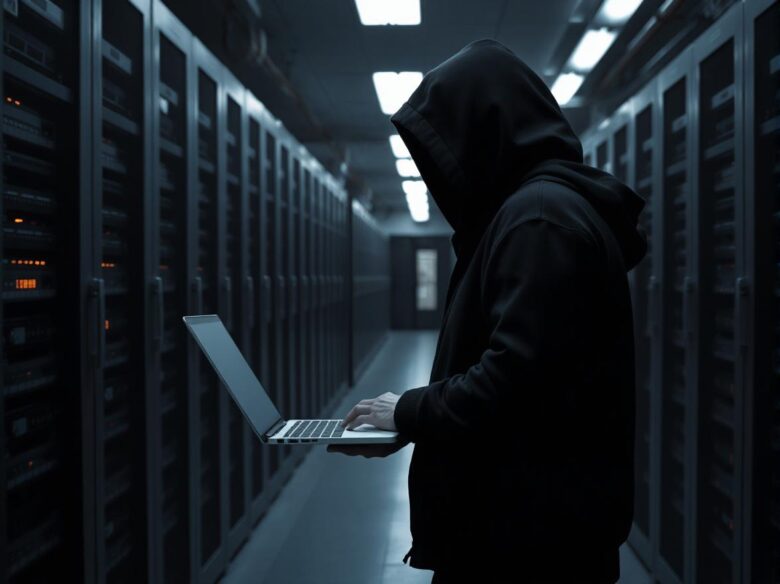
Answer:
(316, 429)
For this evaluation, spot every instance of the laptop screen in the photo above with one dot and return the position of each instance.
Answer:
(219, 348)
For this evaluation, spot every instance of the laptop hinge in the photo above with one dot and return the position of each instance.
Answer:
(275, 428)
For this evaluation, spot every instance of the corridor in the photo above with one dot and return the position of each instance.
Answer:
(345, 520)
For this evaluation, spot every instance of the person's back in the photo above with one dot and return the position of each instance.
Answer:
(523, 460)
(541, 482)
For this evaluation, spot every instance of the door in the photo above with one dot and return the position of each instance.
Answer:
(420, 270)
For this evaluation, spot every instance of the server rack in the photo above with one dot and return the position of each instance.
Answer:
(717, 268)
(304, 254)
(284, 257)
(189, 207)
(207, 441)
(678, 345)
(370, 283)
(295, 245)
(270, 282)
(257, 315)
(46, 414)
(330, 287)
(602, 152)
(646, 276)
(234, 287)
(320, 334)
(172, 268)
(121, 205)
(327, 315)
(710, 305)
(761, 485)
(341, 289)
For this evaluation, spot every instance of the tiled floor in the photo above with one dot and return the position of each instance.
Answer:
(343, 519)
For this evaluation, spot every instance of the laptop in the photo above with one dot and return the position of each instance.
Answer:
(253, 401)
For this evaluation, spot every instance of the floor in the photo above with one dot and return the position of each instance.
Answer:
(344, 519)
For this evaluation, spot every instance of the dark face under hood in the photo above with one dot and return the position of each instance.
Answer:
(481, 124)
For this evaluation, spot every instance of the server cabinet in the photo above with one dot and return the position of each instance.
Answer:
(172, 247)
(121, 219)
(47, 406)
(370, 286)
(317, 279)
(602, 154)
(207, 440)
(678, 342)
(282, 246)
(295, 243)
(717, 270)
(587, 149)
(761, 540)
(234, 290)
(271, 288)
(256, 314)
(304, 250)
(330, 257)
(643, 149)
(343, 255)
(621, 128)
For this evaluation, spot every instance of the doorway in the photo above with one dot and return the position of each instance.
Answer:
(420, 274)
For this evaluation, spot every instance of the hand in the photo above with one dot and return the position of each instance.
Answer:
(368, 450)
(377, 412)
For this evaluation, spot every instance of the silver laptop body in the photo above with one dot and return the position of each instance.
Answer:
(253, 401)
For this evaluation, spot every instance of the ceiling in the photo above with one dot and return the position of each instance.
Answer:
(328, 57)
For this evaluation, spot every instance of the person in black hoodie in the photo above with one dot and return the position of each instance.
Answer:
(523, 462)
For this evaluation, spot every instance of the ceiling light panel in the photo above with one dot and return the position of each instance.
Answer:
(388, 12)
(399, 148)
(617, 12)
(393, 89)
(565, 86)
(418, 207)
(406, 167)
(591, 48)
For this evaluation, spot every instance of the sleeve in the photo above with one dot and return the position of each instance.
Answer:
(535, 282)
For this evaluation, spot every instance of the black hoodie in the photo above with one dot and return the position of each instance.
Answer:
(524, 435)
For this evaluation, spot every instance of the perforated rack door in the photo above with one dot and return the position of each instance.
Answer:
(210, 412)
(121, 221)
(677, 287)
(49, 353)
(718, 268)
(171, 272)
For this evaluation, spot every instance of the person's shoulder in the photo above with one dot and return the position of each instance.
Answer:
(545, 200)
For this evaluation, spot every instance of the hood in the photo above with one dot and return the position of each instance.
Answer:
(481, 124)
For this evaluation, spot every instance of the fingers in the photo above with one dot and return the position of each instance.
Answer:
(363, 419)
(360, 409)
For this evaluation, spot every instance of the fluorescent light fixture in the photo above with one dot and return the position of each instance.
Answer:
(591, 48)
(383, 12)
(565, 86)
(406, 167)
(393, 89)
(399, 148)
(415, 188)
(617, 12)
(417, 199)
(418, 209)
